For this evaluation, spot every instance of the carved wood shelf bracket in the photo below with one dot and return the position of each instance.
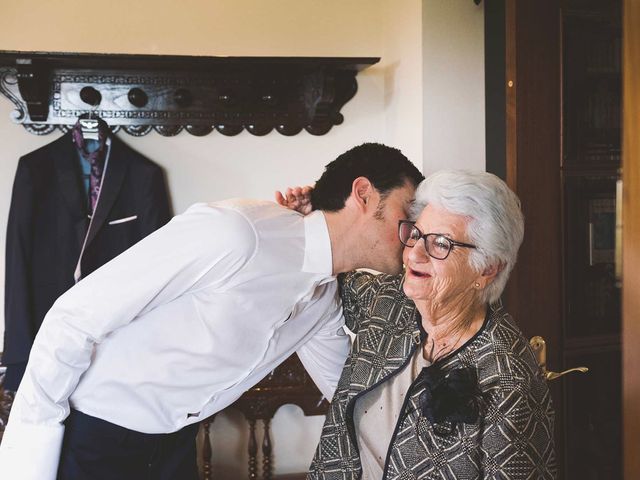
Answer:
(168, 94)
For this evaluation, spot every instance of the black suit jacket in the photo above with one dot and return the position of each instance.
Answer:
(47, 227)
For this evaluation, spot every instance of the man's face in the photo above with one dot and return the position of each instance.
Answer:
(384, 250)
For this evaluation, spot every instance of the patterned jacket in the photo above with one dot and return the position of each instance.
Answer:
(513, 436)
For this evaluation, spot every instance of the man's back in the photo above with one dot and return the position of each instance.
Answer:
(180, 325)
(235, 292)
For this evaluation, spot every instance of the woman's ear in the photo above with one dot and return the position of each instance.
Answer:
(489, 274)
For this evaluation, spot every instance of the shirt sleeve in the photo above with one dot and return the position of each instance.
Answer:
(323, 356)
(203, 247)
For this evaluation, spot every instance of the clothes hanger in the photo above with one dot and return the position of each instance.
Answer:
(89, 125)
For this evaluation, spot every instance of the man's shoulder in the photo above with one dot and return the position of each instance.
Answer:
(238, 203)
(217, 219)
(251, 210)
(245, 219)
(254, 211)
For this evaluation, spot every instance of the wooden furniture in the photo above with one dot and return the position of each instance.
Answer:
(289, 383)
(6, 399)
(141, 93)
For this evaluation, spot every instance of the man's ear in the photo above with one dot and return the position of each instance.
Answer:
(362, 192)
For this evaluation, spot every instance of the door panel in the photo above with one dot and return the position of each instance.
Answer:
(594, 437)
(563, 153)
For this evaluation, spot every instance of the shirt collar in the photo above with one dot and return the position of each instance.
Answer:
(317, 250)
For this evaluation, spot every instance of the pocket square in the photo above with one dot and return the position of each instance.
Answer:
(123, 220)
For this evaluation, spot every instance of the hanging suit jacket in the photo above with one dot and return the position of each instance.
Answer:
(49, 224)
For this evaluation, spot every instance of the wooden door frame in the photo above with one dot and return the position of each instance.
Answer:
(533, 156)
(631, 239)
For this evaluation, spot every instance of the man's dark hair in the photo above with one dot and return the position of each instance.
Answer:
(385, 167)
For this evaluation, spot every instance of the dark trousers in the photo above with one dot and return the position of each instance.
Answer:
(94, 449)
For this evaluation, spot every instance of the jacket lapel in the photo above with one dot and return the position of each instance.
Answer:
(65, 157)
(408, 334)
(116, 168)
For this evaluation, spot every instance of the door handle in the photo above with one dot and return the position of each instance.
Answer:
(540, 349)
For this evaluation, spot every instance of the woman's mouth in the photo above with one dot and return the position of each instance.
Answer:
(419, 274)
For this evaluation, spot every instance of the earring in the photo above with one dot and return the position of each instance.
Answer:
(477, 284)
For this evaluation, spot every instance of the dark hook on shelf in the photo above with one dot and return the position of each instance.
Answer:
(90, 96)
(477, 2)
(183, 98)
(137, 97)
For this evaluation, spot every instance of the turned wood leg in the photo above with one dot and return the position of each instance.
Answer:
(206, 448)
(266, 451)
(253, 450)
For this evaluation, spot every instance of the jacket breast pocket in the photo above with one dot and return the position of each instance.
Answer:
(118, 221)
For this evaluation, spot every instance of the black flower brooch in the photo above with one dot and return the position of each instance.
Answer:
(450, 396)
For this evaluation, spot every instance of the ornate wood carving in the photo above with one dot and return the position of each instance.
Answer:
(253, 450)
(267, 473)
(289, 383)
(167, 94)
(206, 447)
(6, 399)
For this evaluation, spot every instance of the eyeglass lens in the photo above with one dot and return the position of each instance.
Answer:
(437, 246)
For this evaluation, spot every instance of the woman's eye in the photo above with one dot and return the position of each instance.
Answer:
(441, 243)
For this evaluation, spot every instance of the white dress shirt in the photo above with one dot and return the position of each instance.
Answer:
(180, 325)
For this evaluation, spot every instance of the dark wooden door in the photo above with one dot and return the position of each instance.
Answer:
(563, 89)
(631, 238)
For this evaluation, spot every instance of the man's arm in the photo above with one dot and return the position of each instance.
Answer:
(324, 354)
(202, 247)
(357, 289)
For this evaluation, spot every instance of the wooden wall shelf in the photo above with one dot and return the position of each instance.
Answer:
(142, 93)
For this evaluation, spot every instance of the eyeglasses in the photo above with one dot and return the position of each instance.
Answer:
(438, 246)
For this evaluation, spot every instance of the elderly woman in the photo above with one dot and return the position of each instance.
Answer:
(440, 382)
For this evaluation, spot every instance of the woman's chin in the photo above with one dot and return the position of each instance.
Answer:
(414, 290)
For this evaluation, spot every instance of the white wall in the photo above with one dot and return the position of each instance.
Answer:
(402, 55)
(387, 108)
(453, 85)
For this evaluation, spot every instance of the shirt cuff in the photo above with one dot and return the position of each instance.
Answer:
(30, 451)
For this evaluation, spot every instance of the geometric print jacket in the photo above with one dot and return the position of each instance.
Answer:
(513, 435)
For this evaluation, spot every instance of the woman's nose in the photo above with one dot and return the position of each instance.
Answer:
(418, 253)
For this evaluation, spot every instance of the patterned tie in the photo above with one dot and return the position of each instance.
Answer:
(96, 158)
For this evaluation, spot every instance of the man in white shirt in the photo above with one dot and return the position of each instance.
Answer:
(176, 328)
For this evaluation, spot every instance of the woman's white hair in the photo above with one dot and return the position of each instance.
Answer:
(496, 223)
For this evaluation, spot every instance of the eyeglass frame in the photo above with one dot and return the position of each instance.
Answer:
(423, 236)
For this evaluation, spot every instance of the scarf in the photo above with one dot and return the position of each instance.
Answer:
(96, 158)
